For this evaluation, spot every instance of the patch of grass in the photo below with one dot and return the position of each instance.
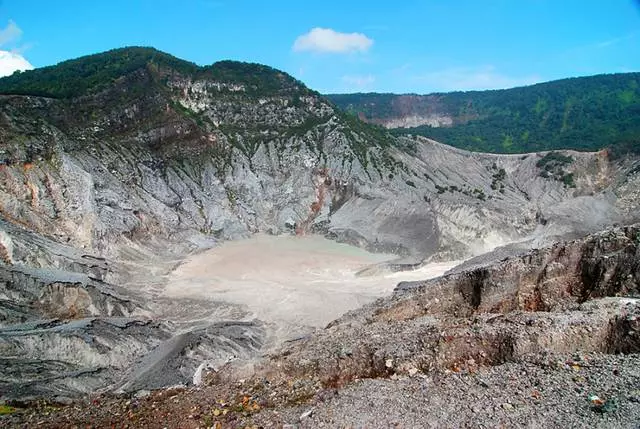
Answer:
(232, 197)
(6, 410)
(498, 178)
(185, 111)
(552, 160)
(552, 167)
(567, 179)
(479, 194)
(500, 175)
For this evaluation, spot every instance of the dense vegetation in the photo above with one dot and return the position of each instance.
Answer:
(552, 166)
(581, 113)
(93, 73)
(587, 113)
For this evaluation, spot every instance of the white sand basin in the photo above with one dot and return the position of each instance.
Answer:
(299, 281)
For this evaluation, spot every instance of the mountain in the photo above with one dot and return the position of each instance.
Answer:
(114, 168)
(586, 114)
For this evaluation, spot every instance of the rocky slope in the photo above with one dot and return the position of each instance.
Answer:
(109, 180)
(548, 338)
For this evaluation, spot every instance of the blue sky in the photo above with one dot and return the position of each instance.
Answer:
(344, 46)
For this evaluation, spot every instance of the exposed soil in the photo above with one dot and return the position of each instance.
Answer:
(291, 282)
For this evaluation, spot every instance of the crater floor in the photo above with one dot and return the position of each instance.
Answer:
(289, 281)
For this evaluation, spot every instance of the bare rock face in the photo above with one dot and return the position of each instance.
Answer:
(549, 279)
(433, 120)
(402, 111)
(580, 296)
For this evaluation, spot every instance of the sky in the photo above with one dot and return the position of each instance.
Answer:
(404, 46)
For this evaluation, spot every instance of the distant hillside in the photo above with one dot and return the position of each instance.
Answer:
(587, 113)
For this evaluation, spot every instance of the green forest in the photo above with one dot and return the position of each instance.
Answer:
(92, 73)
(588, 113)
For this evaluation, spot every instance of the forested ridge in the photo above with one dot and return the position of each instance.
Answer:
(587, 113)
(92, 73)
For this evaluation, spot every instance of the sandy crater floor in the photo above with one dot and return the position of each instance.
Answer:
(287, 280)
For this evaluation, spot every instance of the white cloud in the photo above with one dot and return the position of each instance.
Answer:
(331, 41)
(10, 62)
(358, 82)
(472, 78)
(9, 34)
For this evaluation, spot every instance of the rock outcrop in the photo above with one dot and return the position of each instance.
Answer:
(573, 297)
